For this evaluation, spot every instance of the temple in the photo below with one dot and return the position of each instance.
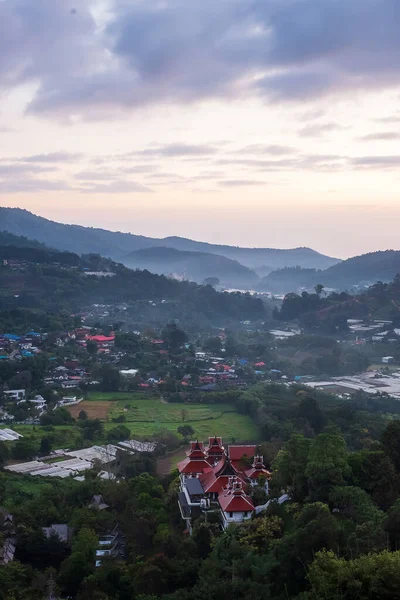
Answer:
(220, 479)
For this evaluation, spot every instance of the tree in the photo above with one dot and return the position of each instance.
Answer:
(327, 465)
(20, 381)
(213, 344)
(45, 446)
(25, 448)
(174, 337)
(319, 288)
(186, 430)
(202, 537)
(91, 347)
(309, 409)
(392, 525)
(83, 416)
(391, 442)
(214, 281)
(4, 454)
(371, 576)
(110, 378)
(375, 473)
(118, 434)
(81, 562)
(290, 464)
(91, 428)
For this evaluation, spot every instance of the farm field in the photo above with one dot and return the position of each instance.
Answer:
(96, 409)
(144, 415)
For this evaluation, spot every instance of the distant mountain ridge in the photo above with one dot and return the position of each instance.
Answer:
(117, 245)
(195, 266)
(363, 270)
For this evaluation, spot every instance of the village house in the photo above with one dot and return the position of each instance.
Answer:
(15, 394)
(8, 537)
(111, 545)
(215, 478)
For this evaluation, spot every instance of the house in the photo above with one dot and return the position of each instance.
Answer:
(7, 535)
(111, 545)
(98, 503)
(15, 394)
(387, 360)
(39, 403)
(60, 530)
(219, 478)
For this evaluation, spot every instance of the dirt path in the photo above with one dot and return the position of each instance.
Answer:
(167, 463)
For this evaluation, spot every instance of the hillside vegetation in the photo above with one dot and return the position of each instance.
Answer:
(195, 266)
(42, 280)
(116, 245)
(359, 271)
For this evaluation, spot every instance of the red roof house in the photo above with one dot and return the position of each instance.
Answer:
(196, 462)
(214, 475)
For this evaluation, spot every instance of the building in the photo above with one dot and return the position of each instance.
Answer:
(111, 545)
(15, 394)
(219, 479)
(7, 537)
(60, 530)
(387, 360)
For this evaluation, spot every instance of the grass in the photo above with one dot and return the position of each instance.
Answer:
(145, 415)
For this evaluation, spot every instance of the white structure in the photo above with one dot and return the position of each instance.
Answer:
(387, 360)
(129, 372)
(15, 394)
(8, 435)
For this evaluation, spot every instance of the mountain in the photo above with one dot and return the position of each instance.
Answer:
(8, 239)
(195, 266)
(361, 271)
(258, 258)
(289, 279)
(43, 281)
(84, 240)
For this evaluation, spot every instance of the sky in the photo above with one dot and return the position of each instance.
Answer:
(268, 123)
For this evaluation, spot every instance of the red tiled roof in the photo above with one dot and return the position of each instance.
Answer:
(255, 473)
(101, 338)
(231, 502)
(236, 453)
(215, 446)
(193, 466)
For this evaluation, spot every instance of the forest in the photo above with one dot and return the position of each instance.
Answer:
(337, 537)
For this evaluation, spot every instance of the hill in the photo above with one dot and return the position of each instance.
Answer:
(44, 280)
(359, 271)
(116, 245)
(195, 266)
(258, 258)
(9, 239)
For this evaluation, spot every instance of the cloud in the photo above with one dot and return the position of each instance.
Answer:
(115, 187)
(378, 162)
(240, 182)
(177, 150)
(318, 129)
(94, 176)
(52, 157)
(383, 135)
(87, 62)
(32, 185)
(266, 149)
(11, 169)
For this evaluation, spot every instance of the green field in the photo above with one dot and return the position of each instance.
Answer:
(145, 415)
